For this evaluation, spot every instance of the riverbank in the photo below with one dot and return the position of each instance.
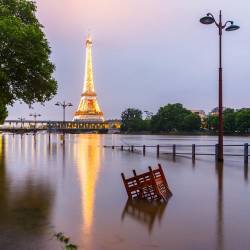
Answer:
(196, 133)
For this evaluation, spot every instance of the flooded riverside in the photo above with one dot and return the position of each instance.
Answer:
(75, 187)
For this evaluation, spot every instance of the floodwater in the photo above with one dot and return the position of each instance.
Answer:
(47, 187)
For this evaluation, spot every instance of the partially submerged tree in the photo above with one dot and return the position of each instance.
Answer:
(25, 68)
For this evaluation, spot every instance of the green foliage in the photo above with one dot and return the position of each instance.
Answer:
(71, 247)
(146, 125)
(3, 113)
(65, 241)
(229, 122)
(25, 69)
(233, 121)
(191, 122)
(212, 122)
(174, 117)
(243, 120)
(132, 120)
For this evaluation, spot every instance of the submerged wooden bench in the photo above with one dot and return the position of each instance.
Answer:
(151, 185)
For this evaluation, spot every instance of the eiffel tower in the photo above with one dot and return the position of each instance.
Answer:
(88, 109)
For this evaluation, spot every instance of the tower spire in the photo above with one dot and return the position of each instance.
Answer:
(88, 109)
(89, 79)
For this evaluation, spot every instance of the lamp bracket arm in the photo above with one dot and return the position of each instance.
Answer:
(211, 15)
(216, 23)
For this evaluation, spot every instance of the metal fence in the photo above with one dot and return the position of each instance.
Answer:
(239, 150)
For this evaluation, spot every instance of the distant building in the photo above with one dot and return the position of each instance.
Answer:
(215, 111)
(114, 124)
(201, 113)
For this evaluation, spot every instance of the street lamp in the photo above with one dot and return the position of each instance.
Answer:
(35, 115)
(228, 26)
(64, 105)
(21, 119)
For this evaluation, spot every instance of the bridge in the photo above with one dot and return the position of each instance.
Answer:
(60, 126)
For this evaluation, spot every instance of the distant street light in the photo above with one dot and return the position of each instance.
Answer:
(64, 105)
(21, 119)
(35, 115)
(209, 19)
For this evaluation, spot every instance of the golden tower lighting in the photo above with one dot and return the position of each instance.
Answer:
(89, 109)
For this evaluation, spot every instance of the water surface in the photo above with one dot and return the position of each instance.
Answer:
(47, 186)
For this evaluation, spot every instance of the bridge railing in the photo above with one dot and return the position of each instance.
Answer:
(50, 125)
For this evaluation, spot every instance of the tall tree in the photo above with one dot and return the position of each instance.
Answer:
(229, 123)
(191, 122)
(212, 122)
(172, 118)
(25, 68)
(132, 120)
(243, 120)
(3, 112)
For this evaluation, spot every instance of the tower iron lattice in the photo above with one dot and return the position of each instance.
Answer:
(88, 109)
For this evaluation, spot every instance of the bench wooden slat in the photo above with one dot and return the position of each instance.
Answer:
(150, 185)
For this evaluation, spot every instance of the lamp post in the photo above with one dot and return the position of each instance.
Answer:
(64, 105)
(209, 19)
(21, 119)
(35, 115)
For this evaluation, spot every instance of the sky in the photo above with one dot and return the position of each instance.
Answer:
(146, 54)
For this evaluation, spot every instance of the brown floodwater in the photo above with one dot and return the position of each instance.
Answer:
(76, 188)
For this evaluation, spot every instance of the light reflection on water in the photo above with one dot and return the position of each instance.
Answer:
(87, 155)
(25, 205)
(48, 186)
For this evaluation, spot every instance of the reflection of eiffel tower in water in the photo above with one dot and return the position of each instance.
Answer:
(87, 153)
(88, 109)
(144, 211)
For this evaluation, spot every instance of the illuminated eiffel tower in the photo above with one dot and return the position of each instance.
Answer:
(88, 109)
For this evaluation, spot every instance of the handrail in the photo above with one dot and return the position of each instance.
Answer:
(193, 151)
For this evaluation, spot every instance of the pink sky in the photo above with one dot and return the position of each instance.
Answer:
(146, 53)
